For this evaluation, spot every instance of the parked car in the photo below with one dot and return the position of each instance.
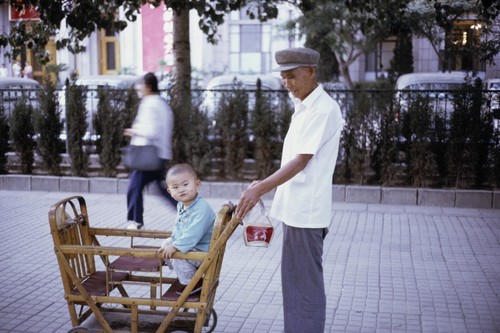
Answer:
(437, 86)
(93, 83)
(492, 86)
(219, 84)
(11, 90)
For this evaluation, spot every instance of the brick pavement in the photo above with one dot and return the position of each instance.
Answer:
(387, 268)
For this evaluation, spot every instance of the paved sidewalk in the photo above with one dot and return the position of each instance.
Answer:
(387, 268)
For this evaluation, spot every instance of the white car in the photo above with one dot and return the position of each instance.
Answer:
(493, 88)
(216, 87)
(11, 90)
(494, 85)
(437, 86)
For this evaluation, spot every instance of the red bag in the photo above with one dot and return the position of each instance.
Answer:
(258, 230)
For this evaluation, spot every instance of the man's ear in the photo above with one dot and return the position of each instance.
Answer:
(312, 70)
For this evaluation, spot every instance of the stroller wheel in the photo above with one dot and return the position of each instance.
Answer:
(211, 321)
(80, 329)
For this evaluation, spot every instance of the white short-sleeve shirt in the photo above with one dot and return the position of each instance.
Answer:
(305, 201)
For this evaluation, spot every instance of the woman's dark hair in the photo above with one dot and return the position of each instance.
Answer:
(151, 81)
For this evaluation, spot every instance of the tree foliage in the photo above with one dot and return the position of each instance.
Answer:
(402, 62)
(351, 28)
(435, 19)
(348, 28)
(81, 18)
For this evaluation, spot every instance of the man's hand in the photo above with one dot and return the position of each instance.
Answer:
(249, 198)
(168, 251)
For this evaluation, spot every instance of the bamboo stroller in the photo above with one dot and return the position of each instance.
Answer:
(109, 292)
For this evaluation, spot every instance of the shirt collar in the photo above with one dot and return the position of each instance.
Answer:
(309, 100)
(181, 205)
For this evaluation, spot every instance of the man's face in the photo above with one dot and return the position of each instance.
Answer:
(299, 81)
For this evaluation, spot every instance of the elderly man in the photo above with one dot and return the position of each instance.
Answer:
(303, 198)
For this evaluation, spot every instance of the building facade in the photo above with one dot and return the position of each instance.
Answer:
(244, 46)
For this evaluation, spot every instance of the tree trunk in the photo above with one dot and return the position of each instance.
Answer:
(344, 72)
(181, 88)
(181, 91)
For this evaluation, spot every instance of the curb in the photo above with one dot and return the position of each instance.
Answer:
(341, 193)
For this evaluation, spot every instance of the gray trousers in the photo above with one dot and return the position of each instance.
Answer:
(185, 269)
(304, 299)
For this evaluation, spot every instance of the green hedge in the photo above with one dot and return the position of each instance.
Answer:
(386, 141)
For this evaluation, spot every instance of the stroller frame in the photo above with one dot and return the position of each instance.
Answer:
(76, 246)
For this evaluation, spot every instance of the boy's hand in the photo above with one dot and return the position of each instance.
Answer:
(168, 251)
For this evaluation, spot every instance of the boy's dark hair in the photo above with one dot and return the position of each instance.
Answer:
(151, 81)
(181, 168)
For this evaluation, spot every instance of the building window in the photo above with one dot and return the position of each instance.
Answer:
(110, 54)
(249, 44)
(379, 60)
(462, 47)
(251, 38)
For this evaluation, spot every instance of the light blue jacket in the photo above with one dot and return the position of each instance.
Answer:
(194, 225)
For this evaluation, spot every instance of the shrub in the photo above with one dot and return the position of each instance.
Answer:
(470, 137)
(76, 118)
(49, 126)
(284, 117)
(109, 124)
(22, 132)
(191, 135)
(481, 134)
(439, 145)
(359, 137)
(416, 130)
(384, 133)
(384, 158)
(495, 158)
(127, 117)
(232, 128)
(194, 143)
(4, 140)
(265, 130)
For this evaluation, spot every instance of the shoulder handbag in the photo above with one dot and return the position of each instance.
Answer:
(142, 158)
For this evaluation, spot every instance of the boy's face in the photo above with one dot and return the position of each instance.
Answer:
(183, 187)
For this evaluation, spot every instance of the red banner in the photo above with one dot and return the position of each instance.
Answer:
(157, 38)
(27, 13)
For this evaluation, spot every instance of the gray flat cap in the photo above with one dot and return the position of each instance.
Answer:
(295, 57)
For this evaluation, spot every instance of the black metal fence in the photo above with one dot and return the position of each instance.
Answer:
(445, 138)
